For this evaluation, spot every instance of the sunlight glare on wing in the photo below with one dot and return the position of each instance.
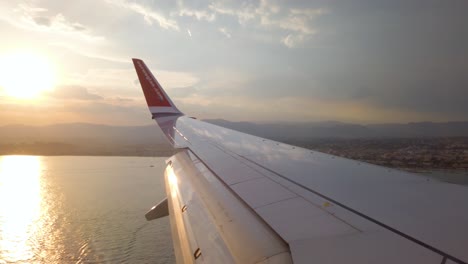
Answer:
(25, 75)
(172, 181)
(20, 205)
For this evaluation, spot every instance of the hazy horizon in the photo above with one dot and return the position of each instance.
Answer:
(259, 122)
(147, 133)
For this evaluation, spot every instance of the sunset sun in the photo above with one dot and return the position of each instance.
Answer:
(25, 75)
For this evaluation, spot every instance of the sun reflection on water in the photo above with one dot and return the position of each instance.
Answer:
(55, 210)
(20, 205)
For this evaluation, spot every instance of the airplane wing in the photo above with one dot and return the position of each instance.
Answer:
(237, 198)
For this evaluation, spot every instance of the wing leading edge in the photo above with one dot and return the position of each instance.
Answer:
(315, 207)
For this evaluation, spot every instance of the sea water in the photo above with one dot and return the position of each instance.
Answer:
(82, 210)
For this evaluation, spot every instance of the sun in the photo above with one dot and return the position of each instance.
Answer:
(25, 75)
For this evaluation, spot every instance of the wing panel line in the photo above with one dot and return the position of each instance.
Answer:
(438, 251)
(237, 196)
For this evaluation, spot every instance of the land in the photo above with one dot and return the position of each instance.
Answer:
(409, 147)
(80, 139)
(412, 146)
(412, 154)
(51, 148)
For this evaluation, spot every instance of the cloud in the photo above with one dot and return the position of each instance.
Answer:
(292, 26)
(174, 79)
(298, 23)
(183, 92)
(295, 24)
(298, 109)
(298, 20)
(225, 32)
(124, 82)
(198, 14)
(50, 29)
(44, 21)
(30, 17)
(91, 51)
(193, 10)
(148, 14)
(73, 92)
(292, 40)
(244, 13)
(124, 99)
(86, 111)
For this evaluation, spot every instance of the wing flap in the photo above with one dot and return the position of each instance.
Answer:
(209, 217)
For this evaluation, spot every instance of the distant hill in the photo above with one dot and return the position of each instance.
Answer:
(84, 139)
(331, 129)
(95, 139)
(82, 132)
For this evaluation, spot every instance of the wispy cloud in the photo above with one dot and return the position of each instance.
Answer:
(292, 40)
(123, 78)
(299, 23)
(243, 14)
(300, 20)
(88, 111)
(90, 51)
(31, 17)
(225, 32)
(197, 14)
(291, 26)
(296, 25)
(151, 16)
(73, 92)
(295, 109)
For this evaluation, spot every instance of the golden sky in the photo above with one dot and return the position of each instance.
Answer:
(267, 61)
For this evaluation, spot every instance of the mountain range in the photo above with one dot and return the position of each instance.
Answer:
(86, 132)
(95, 139)
(332, 129)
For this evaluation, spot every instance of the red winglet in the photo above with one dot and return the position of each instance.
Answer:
(156, 97)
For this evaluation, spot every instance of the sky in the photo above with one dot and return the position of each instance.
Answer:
(265, 61)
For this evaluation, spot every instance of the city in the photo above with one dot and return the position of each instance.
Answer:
(404, 153)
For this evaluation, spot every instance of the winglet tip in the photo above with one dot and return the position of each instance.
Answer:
(157, 99)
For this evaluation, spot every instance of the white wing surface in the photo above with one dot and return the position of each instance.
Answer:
(237, 198)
